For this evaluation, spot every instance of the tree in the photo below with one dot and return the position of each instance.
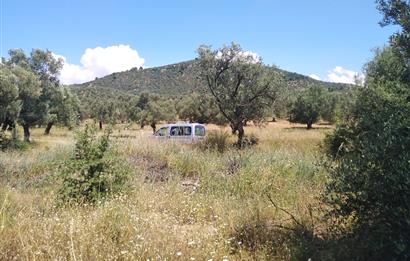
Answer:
(308, 106)
(9, 93)
(243, 88)
(197, 108)
(154, 112)
(46, 67)
(64, 109)
(32, 108)
(369, 186)
(397, 12)
(105, 111)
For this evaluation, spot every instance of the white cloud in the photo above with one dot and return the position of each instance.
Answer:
(314, 76)
(98, 62)
(342, 75)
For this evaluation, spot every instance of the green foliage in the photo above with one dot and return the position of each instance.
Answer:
(308, 106)
(198, 107)
(388, 68)
(216, 140)
(93, 172)
(242, 87)
(7, 143)
(397, 12)
(41, 99)
(153, 110)
(176, 80)
(9, 104)
(369, 189)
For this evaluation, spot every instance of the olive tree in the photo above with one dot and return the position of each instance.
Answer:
(197, 107)
(58, 103)
(243, 88)
(308, 106)
(154, 112)
(9, 93)
(32, 109)
(397, 12)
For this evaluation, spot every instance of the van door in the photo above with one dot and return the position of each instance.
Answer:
(181, 132)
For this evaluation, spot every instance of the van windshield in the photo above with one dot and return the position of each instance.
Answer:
(161, 132)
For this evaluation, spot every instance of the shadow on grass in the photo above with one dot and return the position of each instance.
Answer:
(278, 242)
(322, 127)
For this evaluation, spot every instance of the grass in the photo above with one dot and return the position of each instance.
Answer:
(183, 202)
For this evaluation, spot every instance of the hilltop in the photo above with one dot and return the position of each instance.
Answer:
(176, 80)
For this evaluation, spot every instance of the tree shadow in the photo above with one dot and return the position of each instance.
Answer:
(288, 243)
(321, 127)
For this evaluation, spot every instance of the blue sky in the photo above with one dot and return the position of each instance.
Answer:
(308, 37)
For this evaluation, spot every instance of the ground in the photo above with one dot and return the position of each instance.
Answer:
(182, 203)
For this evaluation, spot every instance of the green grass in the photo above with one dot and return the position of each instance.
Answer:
(182, 202)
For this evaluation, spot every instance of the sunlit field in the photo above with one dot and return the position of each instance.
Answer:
(182, 203)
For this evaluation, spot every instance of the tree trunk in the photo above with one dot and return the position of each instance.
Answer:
(48, 128)
(14, 133)
(7, 124)
(100, 124)
(154, 127)
(241, 133)
(309, 125)
(26, 132)
(4, 127)
(234, 128)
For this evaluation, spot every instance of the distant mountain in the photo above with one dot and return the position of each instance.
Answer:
(176, 80)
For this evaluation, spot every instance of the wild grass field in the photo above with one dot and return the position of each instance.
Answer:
(182, 202)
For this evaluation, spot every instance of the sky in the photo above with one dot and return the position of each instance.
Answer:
(326, 39)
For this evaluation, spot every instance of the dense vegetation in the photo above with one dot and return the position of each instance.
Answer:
(369, 189)
(178, 79)
(31, 94)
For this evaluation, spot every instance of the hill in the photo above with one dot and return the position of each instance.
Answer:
(176, 80)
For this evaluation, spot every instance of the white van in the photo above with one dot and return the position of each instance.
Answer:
(181, 131)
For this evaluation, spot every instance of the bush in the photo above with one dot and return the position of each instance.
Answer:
(93, 172)
(369, 186)
(250, 140)
(7, 143)
(337, 144)
(218, 140)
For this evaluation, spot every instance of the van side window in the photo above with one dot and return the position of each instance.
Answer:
(186, 131)
(175, 131)
(181, 131)
(199, 131)
(161, 132)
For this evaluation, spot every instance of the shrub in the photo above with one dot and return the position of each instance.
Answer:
(369, 186)
(338, 143)
(7, 143)
(218, 140)
(93, 172)
(250, 140)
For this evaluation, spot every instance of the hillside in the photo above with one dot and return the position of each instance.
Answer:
(177, 79)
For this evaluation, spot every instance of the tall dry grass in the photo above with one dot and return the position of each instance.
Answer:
(183, 202)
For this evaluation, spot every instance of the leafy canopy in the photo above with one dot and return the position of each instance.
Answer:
(243, 88)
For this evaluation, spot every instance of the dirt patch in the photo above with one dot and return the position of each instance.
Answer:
(153, 169)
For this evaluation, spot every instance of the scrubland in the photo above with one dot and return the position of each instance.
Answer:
(181, 203)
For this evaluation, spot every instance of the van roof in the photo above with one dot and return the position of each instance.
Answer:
(182, 124)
